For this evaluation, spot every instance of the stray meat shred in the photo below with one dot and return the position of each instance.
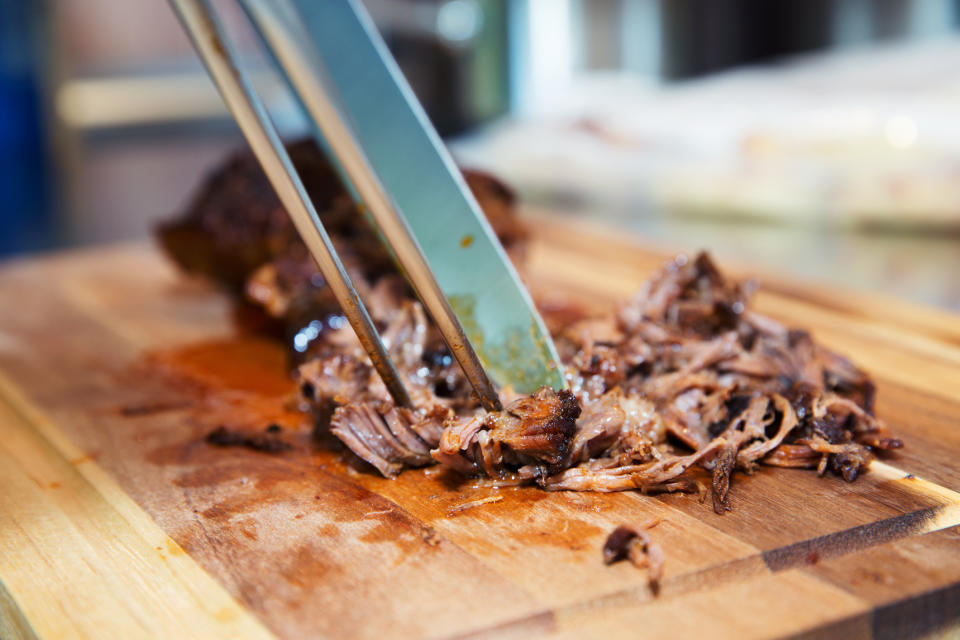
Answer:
(631, 543)
(683, 377)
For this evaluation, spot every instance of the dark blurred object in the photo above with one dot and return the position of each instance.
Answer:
(675, 39)
(454, 54)
(701, 36)
(24, 200)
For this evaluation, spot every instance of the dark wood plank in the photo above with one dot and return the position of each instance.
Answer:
(928, 563)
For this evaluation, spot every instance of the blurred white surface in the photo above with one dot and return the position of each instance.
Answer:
(843, 167)
(862, 137)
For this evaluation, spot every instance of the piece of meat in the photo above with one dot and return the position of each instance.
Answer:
(534, 430)
(690, 294)
(459, 445)
(598, 428)
(387, 437)
(235, 224)
(634, 544)
(538, 427)
(617, 426)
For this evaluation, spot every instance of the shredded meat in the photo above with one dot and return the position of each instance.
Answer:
(684, 375)
(532, 434)
(386, 436)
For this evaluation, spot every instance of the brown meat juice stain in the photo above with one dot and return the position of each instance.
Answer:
(398, 529)
(524, 516)
(244, 383)
(307, 566)
(246, 363)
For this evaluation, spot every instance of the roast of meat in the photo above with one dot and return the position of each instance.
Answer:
(683, 376)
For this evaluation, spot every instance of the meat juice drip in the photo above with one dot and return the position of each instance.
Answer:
(242, 385)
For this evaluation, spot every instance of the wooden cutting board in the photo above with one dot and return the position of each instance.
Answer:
(117, 519)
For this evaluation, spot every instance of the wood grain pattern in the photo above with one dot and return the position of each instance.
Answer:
(78, 559)
(113, 346)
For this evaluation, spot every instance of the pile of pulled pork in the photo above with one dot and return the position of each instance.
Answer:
(684, 375)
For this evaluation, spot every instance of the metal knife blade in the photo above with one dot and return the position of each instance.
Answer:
(409, 158)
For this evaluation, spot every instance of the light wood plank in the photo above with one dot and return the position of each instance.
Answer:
(79, 559)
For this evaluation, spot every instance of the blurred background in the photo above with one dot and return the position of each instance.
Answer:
(814, 137)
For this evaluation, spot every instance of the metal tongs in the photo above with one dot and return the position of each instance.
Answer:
(526, 357)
